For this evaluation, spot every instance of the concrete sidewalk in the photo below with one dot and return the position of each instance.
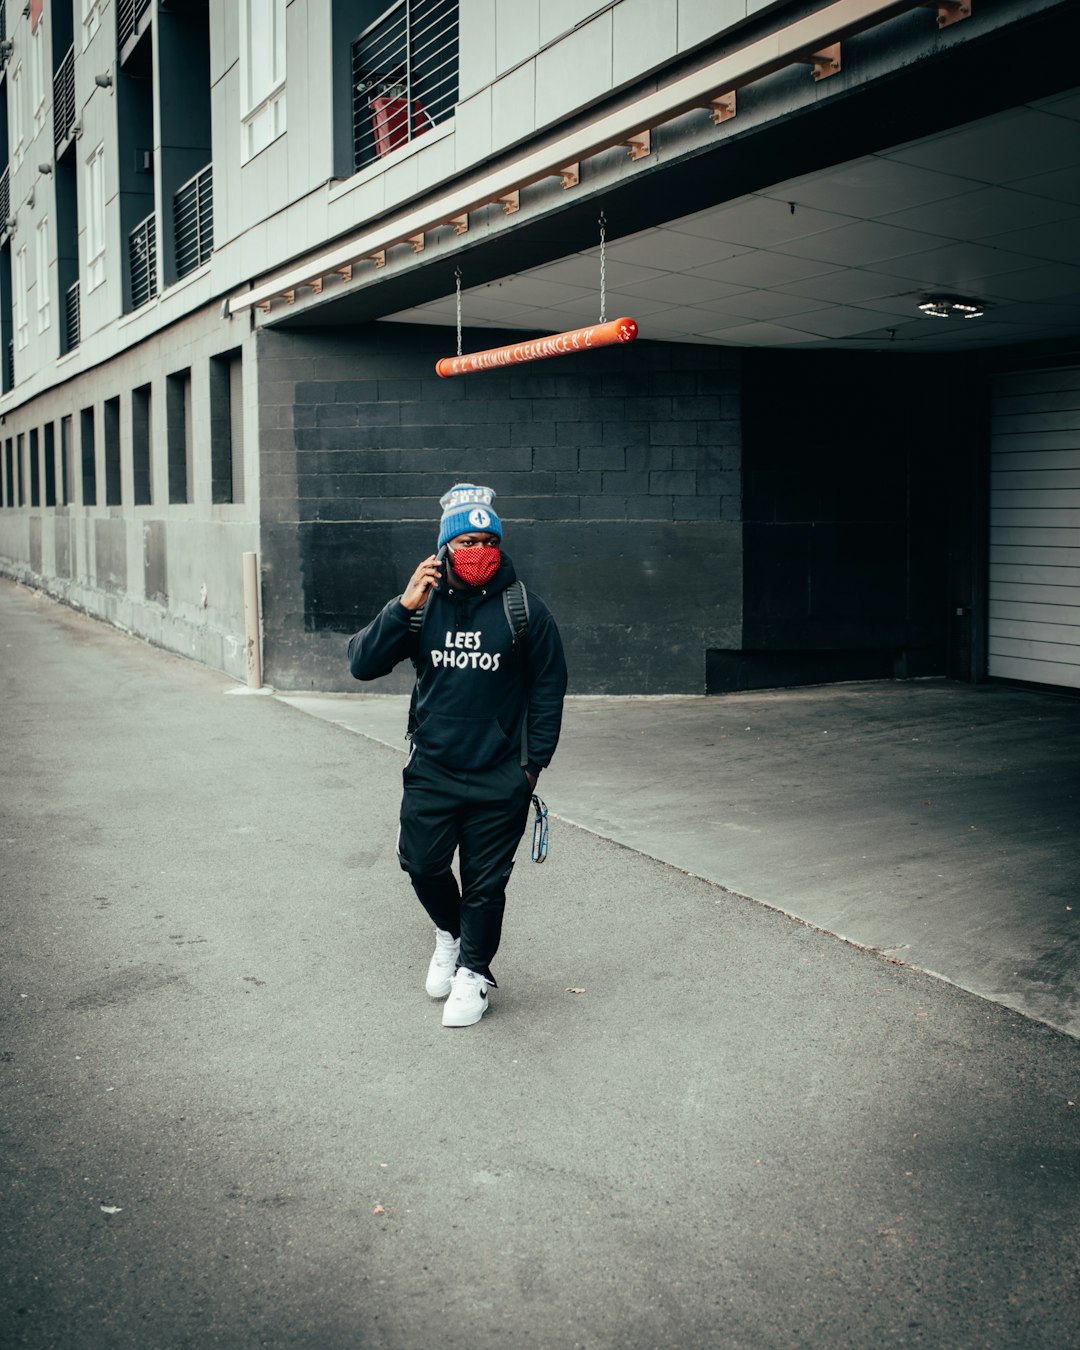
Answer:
(935, 822)
(232, 1119)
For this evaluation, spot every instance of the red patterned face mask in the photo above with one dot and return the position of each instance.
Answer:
(475, 566)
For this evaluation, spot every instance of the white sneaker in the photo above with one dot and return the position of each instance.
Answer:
(440, 971)
(468, 1000)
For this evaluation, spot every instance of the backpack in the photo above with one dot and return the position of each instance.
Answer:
(515, 601)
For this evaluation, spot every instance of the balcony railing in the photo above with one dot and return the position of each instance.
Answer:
(72, 317)
(142, 258)
(9, 365)
(193, 214)
(5, 198)
(64, 99)
(128, 14)
(3, 23)
(405, 76)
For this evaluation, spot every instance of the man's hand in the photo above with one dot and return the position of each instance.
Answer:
(532, 779)
(424, 579)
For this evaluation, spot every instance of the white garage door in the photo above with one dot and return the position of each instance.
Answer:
(1034, 630)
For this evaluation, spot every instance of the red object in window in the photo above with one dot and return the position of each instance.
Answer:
(390, 122)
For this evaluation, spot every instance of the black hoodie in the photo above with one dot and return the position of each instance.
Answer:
(473, 688)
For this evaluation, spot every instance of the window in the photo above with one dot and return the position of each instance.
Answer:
(113, 477)
(37, 76)
(227, 428)
(35, 469)
(49, 440)
(262, 73)
(42, 274)
(141, 443)
(95, 218)
(91, 20)
(89, 457)
(178, 434)
(67, 469)
(15, 115)
(404, 76)
(18, 300)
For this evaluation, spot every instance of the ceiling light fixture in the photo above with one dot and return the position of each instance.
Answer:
(952, 307)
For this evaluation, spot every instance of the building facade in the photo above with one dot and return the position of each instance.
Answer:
(236, 236)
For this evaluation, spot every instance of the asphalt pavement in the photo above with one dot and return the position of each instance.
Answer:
(232, 1118)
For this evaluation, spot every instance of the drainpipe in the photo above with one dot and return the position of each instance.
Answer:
(252, 643)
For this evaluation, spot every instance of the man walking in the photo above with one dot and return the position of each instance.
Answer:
(487, 708)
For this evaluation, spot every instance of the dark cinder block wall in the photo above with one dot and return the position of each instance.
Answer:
(618, 481)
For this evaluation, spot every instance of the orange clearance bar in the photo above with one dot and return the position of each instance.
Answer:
(558, 344)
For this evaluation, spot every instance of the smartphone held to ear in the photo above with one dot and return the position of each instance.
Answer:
(440, 558)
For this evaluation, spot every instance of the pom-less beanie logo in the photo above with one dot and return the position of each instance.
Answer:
(479, 519)
(466, 494)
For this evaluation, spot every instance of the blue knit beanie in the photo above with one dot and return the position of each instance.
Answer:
(467, 507)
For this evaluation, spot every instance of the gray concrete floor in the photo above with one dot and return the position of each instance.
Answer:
(231, 1118)
(934, 822)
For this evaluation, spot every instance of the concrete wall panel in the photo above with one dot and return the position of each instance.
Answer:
(434, 161)
(513, 105)
(224, 41)
(558, 17)
(700, 20)
(62, 547)
(155, 562)
(110, 554)
(473, 131)
(310, 90)
(574, 71)
(517, 32)
(477, 65)
(363, 197)
(35, 543)
(643, 33)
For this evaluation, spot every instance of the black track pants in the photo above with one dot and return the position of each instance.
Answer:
(483, 816)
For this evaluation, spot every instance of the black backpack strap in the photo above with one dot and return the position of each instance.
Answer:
(416, 624)
(516, 608)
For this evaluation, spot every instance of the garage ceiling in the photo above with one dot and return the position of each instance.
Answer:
(988, 211)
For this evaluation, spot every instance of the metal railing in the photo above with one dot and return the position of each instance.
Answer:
(142, 259)
(128, 14)
(64, 99)
(5, 198)
(9, 365)
(72, 317)
(405, 76)
(193, 215)
(3, 23)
